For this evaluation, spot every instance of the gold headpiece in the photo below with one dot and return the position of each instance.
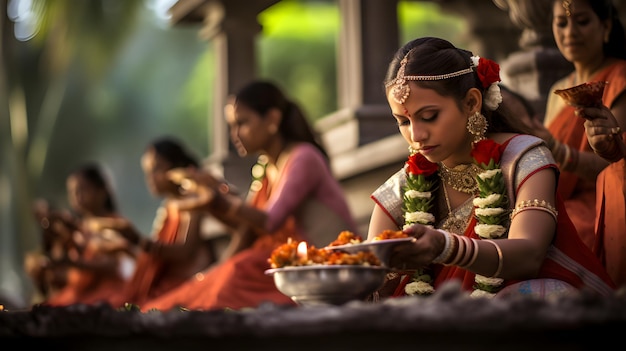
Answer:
(400, 87)
(566, 5)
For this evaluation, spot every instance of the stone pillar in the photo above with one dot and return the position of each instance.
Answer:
(231, 27)
(368, 39)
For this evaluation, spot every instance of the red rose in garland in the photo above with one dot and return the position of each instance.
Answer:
(487, 153)
(418, 164)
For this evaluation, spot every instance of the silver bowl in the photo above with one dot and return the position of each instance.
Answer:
(328, 284)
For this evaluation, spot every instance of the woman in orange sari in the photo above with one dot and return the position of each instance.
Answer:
(589, 34)
(176, 252)
(98, 261)
(293, 195)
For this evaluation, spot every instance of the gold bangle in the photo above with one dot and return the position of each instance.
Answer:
(474, 254)
(535, 204)
(460, 250)
(500, 259)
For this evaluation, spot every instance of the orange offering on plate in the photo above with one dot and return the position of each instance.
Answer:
(346, 237)
(583, 95)
(390, 234)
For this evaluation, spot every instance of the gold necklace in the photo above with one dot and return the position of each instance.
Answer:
(461, 178)
(453, 223)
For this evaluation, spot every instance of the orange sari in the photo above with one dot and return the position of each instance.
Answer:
(87, 286)
(580, 194)
(238, 282)
(610, 245)
(150, 278)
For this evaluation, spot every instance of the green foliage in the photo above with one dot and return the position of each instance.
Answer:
(298, 47)
(421, 18)
(298, 51)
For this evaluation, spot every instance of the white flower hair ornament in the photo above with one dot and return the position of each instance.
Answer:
(489, 74)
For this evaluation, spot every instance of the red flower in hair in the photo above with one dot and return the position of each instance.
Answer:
(488, 72)
(418, 165)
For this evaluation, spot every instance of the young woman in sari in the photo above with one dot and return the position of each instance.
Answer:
(590, 35)
(176, 251)
(97, 261)
(293, 195)
(479, 198)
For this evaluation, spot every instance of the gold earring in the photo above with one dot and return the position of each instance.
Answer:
(412, 151)
(477, 126)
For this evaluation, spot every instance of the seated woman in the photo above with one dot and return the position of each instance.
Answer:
(294, 195)
(94, 263)
(176, 252)
(478, 197)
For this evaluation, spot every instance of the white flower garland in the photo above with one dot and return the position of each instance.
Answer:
(486, 285)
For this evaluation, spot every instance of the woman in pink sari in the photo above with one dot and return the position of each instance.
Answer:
(293, 195)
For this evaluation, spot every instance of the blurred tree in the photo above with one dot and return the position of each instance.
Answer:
(60, 34)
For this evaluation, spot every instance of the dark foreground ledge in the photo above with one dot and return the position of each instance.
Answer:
(444, 321)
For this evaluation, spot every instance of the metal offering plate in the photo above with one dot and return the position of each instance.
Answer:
(328, 284)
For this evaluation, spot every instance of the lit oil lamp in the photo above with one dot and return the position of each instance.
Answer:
(302, 253)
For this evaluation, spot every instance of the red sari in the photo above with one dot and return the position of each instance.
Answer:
(567, 260)
(580, 194)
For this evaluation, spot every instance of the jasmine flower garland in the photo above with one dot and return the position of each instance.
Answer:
(491, 207)
(421, 181)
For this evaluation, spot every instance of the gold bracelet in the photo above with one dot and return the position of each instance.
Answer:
(535, 204)
(460, 252)
(474, 254)
(500, 259)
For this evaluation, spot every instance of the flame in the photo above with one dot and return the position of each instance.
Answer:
(302, 252)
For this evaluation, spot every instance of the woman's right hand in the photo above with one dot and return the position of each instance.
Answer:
(200, 189)
(418, 253)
